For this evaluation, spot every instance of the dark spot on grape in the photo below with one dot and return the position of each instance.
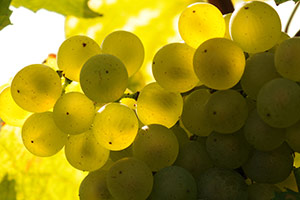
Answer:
(215, 140)
(120, 172)
(67, 113)
(194, 11)
(268, 115)
(18, 91)
(153, 63)
(106, 71)
(246, 8)
(205, 50)
(109, 142)
(83, 44)
(187, 191)
(214, 112)
(32, 141)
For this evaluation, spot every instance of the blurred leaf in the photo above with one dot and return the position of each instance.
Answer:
(154, 22)
(78, 8)
(36, 178)
(4, 13)
(282, 1)
(7, 189)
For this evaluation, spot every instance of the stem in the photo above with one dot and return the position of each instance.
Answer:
(225, 6)
(291, 17)
(128, 95)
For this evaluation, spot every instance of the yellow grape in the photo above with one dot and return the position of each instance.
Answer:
(74, 52)
(10, 112)
(127, 47)
(255, 26)
(84, 152)
(74, 113)
(41, 136)
(156, 105)
(227, 20)
(103, 78)
(36, 88)
(219, 63)
(172, 67)
(200, 22)
(115, 126)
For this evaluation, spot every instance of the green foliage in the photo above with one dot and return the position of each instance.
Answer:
(4, 13)
(282, 1)
(78, 8)
(7, 189)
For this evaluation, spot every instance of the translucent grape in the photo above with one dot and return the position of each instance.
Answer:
(74, 113)
(255, 26)
(227, 30)
(10, 112)
(219, 63)
(181, 135)
(227, 111)
(36, 88)
(156, 145)
(127, 47)
(287, 59)
(115, 126)
(174, 182)
(222, 184)
(293, 136)
(284, 36)
(194, 157)
(41, 136)
(200, 22)
(84, 152)
(260, 167)
(194, 116)
(278, 103)
(129, 179)
(94, 187)
(260, 191)
(103, 78)
(74, 52)
(260, 69)
(156, 105)
(262, 136)
(130, 102)
(172, 67)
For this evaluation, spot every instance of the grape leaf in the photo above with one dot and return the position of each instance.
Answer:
(7, 189)
(78, 8)
(4, 13)
(282, 1)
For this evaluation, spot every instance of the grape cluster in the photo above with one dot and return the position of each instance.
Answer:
(221, 121)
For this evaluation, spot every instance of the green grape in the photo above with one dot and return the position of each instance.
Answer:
(94, 187)
(129, 179)
(259, 70)
(10, 112)
(127, 47)
(36, 88)
(219, 63)
(115, 126)
(262, 136)
(227, 20)
(200, 22)
(74, 113)
(269, 167)
(290, 182)
(261, 191)
(41, 136)
(130, 102)
(156, 145)
(74, 52)
(117, 155)
(278, 103)
(156, 105)
(228, 151)
(194, 117)
(287, 59)
(255, 26)
(182, 136)
(293, 136)
(284, 36)
(193, 157)
(172, 67)
(222, 184)
(84, 152)
(103, 78)
(227, 111)
(173, 182)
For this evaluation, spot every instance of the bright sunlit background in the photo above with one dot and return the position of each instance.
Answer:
(34, 35)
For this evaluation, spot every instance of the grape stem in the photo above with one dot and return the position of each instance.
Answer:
(291, 17)
(128, 95)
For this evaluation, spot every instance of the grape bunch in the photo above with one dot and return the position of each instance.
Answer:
(220, 122)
